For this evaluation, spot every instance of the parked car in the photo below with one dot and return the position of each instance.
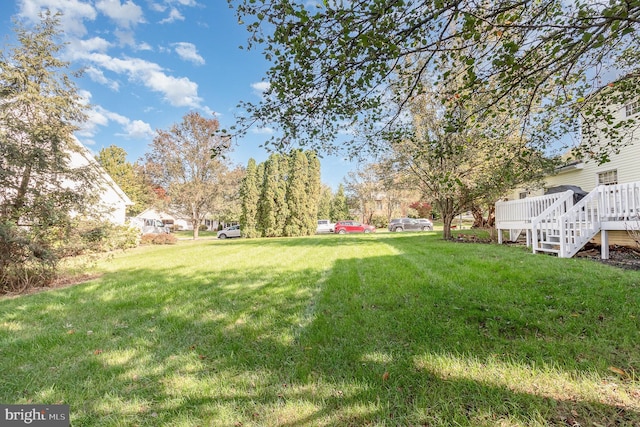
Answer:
(343, 227)
(410, 224)
(325, 226)
(427, 223)
(233, 231)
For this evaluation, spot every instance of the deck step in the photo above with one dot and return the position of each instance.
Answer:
(549, 251)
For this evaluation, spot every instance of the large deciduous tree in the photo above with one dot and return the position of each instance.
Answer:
(180, 161)
(363, 188)
(39, 188)
(459, 169)
(336, 63)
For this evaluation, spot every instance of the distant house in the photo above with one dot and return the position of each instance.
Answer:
(174, 220)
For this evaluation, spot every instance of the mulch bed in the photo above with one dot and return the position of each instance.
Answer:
(619, 256)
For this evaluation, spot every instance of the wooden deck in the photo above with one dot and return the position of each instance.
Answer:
(554, 224)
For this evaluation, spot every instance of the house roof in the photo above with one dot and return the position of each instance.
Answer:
(90, 159)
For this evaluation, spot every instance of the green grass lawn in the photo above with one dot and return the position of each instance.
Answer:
(188, 234)
(389, 329)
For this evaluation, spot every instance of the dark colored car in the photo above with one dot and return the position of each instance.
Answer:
(410, 224)
(343, 227)
(426, 223)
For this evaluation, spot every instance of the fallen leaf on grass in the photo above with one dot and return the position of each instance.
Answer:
(98, 351)
(618, 371)
(385, 376)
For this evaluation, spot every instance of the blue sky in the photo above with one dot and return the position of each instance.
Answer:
(149, 62)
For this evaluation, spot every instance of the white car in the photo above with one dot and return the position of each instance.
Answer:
(325, 226)
(233, 231)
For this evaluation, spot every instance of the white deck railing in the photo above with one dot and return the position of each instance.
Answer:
(580, 224)
(559, 226)
(545, 228)
(524, 210)
(620, 202)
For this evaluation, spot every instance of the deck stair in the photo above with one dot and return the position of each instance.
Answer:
(545, 228)
(555, 225)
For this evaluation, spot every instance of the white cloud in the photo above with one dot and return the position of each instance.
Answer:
(98, 76)
(188, 52)
(94, 44)
(125, 37)
(74, 12)
(144, 46)
(174, 15)
(138, 129)
(263, 131)
(178, 91)
(261, 86)
(209, 112)
(124, 14)
(101, 117)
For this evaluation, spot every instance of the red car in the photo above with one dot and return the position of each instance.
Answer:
(343, 227)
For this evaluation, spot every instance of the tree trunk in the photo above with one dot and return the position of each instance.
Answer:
(447, 221)
(22, 192)
(196, 228)
(491, 216)
(478, 217)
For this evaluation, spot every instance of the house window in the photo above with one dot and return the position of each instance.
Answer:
(632, 108)
(523, 195)
(608, 177)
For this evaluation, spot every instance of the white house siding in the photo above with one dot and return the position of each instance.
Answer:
(585, 176)
(627, 164)
(113, 201)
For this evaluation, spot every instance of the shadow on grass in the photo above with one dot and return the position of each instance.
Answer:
(373, 341)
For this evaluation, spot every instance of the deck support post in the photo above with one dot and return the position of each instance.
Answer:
(604, 244)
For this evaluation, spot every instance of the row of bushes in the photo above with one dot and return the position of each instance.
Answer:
(30, 256)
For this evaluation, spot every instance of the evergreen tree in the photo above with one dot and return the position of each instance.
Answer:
(268, 209)
(39, 110)
(282, 207)
(297, 198)
(314, 187)
(339, 207)
(324, 202)
(260, 170)
(249, 195)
